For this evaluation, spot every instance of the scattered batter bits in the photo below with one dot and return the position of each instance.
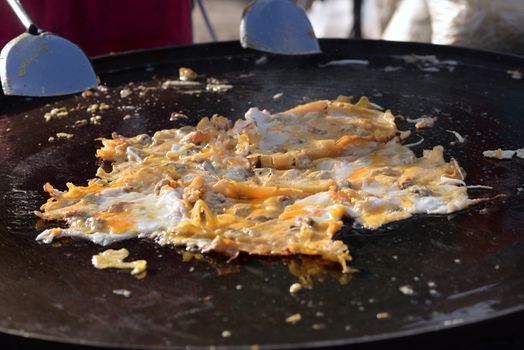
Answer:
(123, 292)
(515, 73)
(383, 315)
(295, 288)
(423, 122)
(95, 120)
(125, 92)
(504, 154)
(187, 74)
(293, 319)
(115, 259)
(60, 135)
(56, 114)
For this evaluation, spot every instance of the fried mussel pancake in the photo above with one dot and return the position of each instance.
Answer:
(268, 184)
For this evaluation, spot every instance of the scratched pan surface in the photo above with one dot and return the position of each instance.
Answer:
(462, 268)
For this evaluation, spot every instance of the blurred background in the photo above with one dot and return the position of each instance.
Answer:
(101, 26)
(487, 24)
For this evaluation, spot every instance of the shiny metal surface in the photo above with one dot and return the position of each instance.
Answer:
(44, 65)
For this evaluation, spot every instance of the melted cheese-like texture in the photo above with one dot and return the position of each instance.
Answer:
(268, 184)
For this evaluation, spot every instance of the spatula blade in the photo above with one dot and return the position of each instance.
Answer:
(277, 26)
(44, 65)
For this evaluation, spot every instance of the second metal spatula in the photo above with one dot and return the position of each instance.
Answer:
(277, 26)
(38, 63)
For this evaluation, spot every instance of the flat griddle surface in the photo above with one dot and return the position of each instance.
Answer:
(462, 268)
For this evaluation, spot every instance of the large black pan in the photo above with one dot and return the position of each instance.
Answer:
(462, 268)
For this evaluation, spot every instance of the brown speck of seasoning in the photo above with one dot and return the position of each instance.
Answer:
(383, 315)
(293, 319)
(226, 334)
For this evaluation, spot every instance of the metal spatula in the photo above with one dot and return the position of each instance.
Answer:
(277, 26)
(38, 63)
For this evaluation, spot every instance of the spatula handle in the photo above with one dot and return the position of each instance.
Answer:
(23, 16)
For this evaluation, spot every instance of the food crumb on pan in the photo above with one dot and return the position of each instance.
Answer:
(406, 290)
(383, 315)
(262, 60)
(176, 116)
(226, 333)
(92, 108)
(318, 326)
(423, 122)
(111, 258)
(453, 322)
(515, 73)
(56, 114)
(499, 154)
(95, 120)
(278, 96)
(295, 288)
(392, 68)
(294, 318)
(344, 63)
(123, 292)
(179, 83)
(64, 135)
(104, 106)
(80, 123)
(102, 88)
(217, 85)
(458, 136)
(126, 92)
(187, 74)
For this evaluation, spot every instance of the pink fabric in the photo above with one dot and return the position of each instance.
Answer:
(103, 26)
